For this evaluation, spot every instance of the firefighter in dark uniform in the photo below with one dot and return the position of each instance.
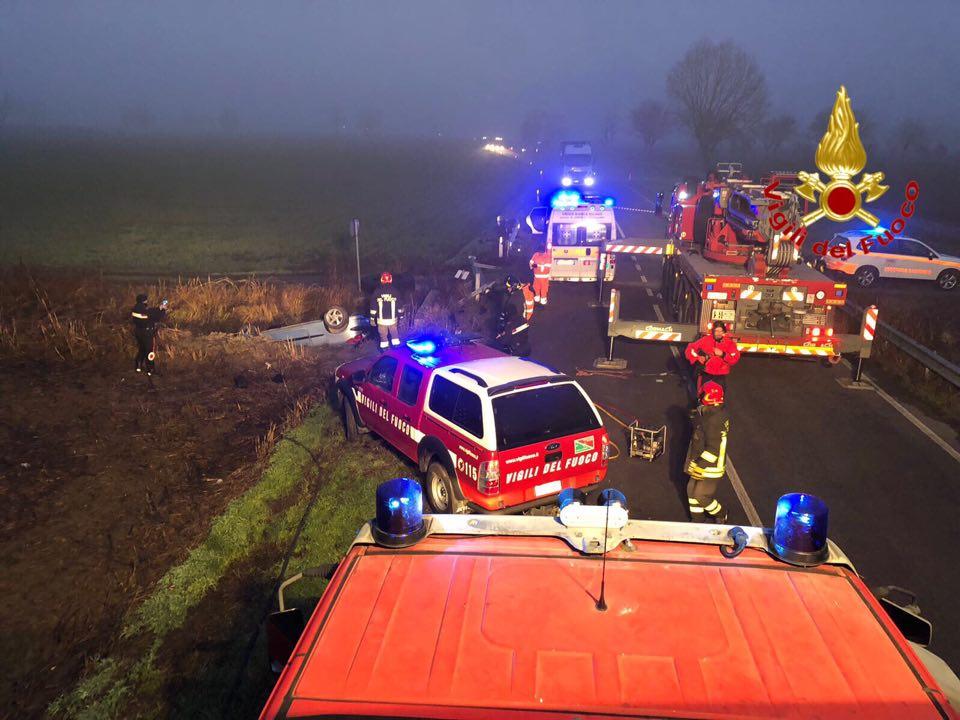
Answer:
(514, 329)
(384, 312)
(707, 457)
(145, 322)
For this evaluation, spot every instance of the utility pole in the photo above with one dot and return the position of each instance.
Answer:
(355, 231)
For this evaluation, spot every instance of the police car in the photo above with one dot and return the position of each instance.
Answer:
(902, 257)
(490, 432)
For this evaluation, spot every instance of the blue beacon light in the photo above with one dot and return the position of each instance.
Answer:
(422, 346)
(800, 530)
(609, 202)
(399, 522)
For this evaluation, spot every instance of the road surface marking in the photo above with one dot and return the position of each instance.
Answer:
(738, 487)
(920, 425)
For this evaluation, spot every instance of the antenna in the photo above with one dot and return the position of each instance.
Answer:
(608, 497)
(601, 602)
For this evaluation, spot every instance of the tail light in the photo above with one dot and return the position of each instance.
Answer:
(606, 448)
(816, 332)
(488, 481)
(829, 332)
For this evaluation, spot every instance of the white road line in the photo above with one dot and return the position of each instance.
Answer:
(917, 422)
(738, 487)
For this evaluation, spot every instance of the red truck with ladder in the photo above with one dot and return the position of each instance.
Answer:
(512, 617)
(732, 255)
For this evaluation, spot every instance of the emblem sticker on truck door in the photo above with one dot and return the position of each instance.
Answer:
(582, 445)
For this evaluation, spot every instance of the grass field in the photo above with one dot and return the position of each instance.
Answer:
(203, 206)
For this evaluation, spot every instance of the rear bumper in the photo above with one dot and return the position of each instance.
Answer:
(584, 482)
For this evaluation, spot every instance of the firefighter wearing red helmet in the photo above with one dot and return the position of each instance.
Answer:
(713, 355)
(384, 312)
(707, 456)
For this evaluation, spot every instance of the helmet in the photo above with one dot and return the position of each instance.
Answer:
(511, 282)
(141, 297)
(386, 278)
(711, 394)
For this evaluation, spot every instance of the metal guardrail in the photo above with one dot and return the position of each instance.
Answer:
(925, 356)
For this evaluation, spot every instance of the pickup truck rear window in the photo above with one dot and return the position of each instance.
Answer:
(532, 416)
(458, 405)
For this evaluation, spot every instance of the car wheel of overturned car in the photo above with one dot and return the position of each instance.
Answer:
(350, 430)
(948, 279)
(335, 319)
(866, 276)
(439, 488)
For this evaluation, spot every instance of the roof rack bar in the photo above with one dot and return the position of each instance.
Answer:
(542, 380)
(476, 378)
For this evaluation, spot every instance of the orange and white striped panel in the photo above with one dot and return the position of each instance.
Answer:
(636, 249)
(656, 335)
(750, 293)
(614, 299)
(870, 323)
(793, 295)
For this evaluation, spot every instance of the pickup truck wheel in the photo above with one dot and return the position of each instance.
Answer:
(440, 489)
(866, 276)
(335, 320)
(948, 279)
(349, 419)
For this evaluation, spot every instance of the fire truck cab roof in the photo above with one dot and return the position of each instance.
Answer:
(497, 617)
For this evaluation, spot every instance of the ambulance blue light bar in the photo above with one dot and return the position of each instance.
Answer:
(800, 530)
(565, 199)
(609, 202)
(399, 521)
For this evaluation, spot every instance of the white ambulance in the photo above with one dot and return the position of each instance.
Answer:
(577, 235)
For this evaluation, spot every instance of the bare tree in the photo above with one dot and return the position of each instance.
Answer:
(774, 132)
(611, 126)
(651, 121)
(911, 134)
(719, 91)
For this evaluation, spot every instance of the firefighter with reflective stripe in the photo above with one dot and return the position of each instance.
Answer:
(529, 301)
(713, 355)
(707, 456)
(514, 327)
(540, 263)
(145, 321)
(384, 312)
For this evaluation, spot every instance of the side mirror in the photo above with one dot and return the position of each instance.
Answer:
(537, 220)
(932, 255)
(901, 606)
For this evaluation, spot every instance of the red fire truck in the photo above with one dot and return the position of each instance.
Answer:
(732, 256)
(593, 615)
(489, 431)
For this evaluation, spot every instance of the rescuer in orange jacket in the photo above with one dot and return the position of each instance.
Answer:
(713, 355)
(706, 460)
(540, 264)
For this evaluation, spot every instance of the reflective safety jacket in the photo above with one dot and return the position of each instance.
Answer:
(383, 306)
(715, 364)
(540, 264)
(707, 455)
(146, 318)
(528, 301)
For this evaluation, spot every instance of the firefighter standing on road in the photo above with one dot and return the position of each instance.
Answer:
(707, 456)
(514, 326)
(145, 321)
(383, 312)
(540, 264)
(712, 356)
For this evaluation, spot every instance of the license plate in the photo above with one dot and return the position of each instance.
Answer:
(723, 315)
(548, 488)
(566, 261)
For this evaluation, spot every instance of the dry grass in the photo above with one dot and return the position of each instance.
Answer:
(70, 317)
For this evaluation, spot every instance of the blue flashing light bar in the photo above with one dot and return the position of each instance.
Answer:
(566, 199)
(609, 202)
(422, 346)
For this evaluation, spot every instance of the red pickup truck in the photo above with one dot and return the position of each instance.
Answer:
(490, 432)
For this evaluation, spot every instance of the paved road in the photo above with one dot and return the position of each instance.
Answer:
(894, 495)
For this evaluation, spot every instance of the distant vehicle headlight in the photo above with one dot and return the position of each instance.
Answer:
(589, 180)
(567, 181)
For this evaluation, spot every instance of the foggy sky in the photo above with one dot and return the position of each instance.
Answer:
(462, 68)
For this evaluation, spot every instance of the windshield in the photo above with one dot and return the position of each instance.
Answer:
(532, 416)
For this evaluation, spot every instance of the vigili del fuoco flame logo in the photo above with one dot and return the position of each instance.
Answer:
(840, 155)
